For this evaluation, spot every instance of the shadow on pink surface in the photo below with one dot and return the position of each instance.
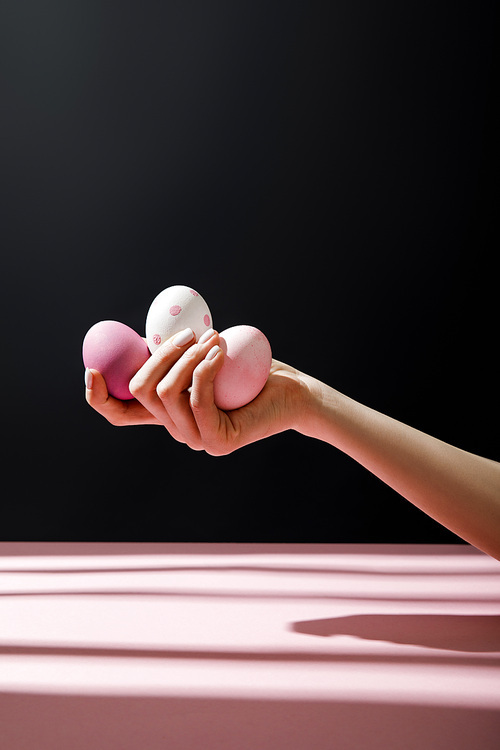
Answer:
(246, 596)
(59, 722)
(93, 549)
(229, 655)
(471, 633)
(275, 569)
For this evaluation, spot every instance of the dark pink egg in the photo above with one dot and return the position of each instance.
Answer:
(118, 352)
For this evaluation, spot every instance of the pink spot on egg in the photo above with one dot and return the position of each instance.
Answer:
(195, 294)
(175, 310)
(206, 320)
(157, 339)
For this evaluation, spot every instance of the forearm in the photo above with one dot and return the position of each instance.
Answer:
(458, 489)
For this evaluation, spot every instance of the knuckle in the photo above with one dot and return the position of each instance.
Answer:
(115, 419)
(216, 450)
(136, 386)
(192, 352)
(196, 446)
(164, 353)
(196, 404)
(164, 392)
(177, 438)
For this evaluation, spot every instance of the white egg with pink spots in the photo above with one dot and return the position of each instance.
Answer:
(174, 309)
(247, 362)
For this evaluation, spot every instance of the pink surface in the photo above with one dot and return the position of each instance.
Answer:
(248, 646)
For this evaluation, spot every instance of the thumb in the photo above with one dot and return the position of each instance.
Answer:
(96, 391)
(117, 412)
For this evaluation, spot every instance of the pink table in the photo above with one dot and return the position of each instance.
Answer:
(257, 647)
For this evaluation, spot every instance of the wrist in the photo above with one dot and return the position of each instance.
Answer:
(310, 412)
(307, 405)
(323, 411)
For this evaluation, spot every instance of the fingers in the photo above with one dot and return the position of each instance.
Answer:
(173, 389)
(143, 385)
(162, 384)
(213, 425)
(117, 412)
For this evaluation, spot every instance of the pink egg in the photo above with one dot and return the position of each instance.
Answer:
(117, 351)
(247, 362)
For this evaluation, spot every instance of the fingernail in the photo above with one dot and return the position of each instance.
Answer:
(89, 379)
(208, 334)
(184, 337)
(213, 352)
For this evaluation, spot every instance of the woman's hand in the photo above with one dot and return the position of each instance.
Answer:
(174, 388)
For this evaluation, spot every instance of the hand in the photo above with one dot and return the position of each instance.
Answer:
(174, 388)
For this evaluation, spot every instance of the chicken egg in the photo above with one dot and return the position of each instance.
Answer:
(173, 310)
(247, 362)
(117, 352)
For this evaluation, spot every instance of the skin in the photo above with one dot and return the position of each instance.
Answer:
(175, 389)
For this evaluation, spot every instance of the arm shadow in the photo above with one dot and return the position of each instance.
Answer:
(469, 633)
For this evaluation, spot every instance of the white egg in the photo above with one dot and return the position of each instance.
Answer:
(173, 310)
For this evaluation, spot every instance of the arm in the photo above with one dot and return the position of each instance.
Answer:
(456, 488)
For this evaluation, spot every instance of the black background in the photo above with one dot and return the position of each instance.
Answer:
(321, 170)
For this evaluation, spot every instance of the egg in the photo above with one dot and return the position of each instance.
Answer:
(118, 352)
(247, 362)
(173, 310)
